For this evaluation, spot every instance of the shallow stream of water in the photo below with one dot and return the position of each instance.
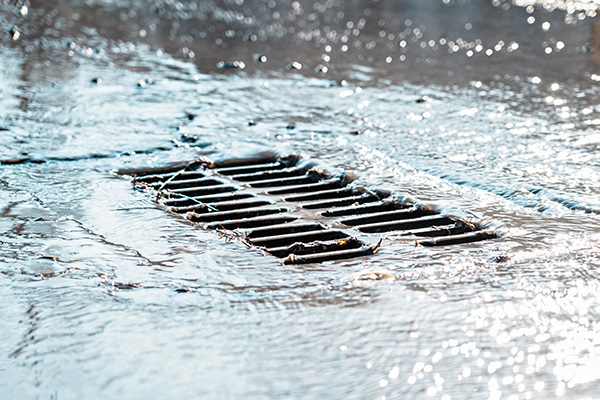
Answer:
(488, 109)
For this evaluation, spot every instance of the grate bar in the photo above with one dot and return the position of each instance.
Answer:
(198, 208)
(330, 256)
(458, 239)
(171, 169)
(185, 175)
(391, 215)
(244, 162)
(180, 175)
(441, 230)
(148, 179)
(300, 248)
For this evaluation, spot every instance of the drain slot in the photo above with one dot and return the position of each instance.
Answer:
(305, 237)
(187, 175)
(404, 225)
(253, 222)
(191, 200)
(386, 216)
(148, 179)
(458, 239)
(225, 206)
(179, 176)
(263, 176)
(182, 184)
(362, 209)
(240, 205)
(284, 230)
(255, 167)
(234, 215)
(440, 230)
(205, 190)
(244, 162)
(315, 247)
(329, 256)
(168, 170)
(313, 187)
(344, 201)
(302, 180)
(322, 195)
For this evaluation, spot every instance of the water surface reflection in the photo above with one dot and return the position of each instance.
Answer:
(485, 108)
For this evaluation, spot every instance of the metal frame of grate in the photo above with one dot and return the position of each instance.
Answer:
(295, 211)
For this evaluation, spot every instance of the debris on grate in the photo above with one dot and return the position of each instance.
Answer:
(294, 211)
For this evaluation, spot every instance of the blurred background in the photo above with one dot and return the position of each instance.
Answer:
(487, 109)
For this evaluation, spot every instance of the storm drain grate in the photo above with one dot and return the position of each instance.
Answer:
(295, 211)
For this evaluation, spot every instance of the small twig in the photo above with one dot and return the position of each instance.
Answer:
(378, 245)
(211, 208)
(175, 175)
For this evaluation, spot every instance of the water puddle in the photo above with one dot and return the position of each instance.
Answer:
(486, 109)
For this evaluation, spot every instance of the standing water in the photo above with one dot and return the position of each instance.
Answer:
(484, 108)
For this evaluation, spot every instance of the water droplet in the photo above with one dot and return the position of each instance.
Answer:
(260, 58)
(231, 64)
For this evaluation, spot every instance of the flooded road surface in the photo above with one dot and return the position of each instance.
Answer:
(485, 108)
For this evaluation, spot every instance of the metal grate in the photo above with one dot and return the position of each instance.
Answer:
(294, 211)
